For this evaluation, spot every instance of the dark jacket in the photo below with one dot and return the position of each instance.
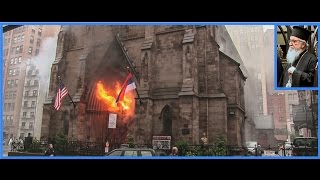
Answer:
(279, 70)
(304, 75)
(49, 152)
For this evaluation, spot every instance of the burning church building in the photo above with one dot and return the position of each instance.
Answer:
(189, 81)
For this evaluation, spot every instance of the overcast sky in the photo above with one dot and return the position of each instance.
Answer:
(265, 27)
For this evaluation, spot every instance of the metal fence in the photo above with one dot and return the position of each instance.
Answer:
(83, 148)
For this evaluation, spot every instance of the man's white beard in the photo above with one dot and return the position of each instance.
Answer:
(293, 54)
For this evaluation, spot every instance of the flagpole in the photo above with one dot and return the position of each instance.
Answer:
(138, 96)
(74, 105)
(135, 88)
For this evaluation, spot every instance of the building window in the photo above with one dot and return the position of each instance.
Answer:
(35, 92)
(14, 93)
(21, 135)
(38, 42)
(30, 72)
(19, 60)
(24, 114)
(33, 31)
(25, 104)
(11, 120)
(28, 82)
(26, 93)
(33, 104)
(37, 52)
(17, 49)
(23, 124)
(30, 125)
(15, 61)
(31, 39)
(21, 49)
(32, 114)
(12, 83)
(30, 50)
(36, 82)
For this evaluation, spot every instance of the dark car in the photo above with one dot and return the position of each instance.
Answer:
(305, 146)
(132, 152)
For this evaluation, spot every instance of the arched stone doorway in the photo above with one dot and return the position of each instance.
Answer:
(166, 120)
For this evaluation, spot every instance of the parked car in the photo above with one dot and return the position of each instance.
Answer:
(305, 146)
(132, 152)
(252, 147)
(288, 146)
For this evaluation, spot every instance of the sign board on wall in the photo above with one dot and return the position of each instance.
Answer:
(112, 120)
(161, 142)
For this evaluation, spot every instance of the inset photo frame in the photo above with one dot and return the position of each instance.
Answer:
(296, 61)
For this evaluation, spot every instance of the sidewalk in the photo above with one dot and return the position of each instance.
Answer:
(5, 149)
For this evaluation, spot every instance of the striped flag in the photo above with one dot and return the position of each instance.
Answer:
(61, 93)
(128, 85)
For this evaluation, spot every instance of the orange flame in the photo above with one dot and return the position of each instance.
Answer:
(124, 108)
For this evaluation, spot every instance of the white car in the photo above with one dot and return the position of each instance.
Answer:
(252, 146)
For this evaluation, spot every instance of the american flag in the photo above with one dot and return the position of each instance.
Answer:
(61, 93)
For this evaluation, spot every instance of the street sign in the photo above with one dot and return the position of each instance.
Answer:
(112, 120)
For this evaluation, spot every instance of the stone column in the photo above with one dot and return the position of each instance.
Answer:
(188, 125)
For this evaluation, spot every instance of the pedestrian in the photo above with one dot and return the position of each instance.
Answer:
(300, 68)
(49, 151)
(174, 151)
(10, 144)
(106, 149)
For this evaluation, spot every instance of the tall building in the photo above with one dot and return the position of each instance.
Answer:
(29, 101)
(277, 108)
(305, 116)
(20, 46)
(256, 45)
(292, 99)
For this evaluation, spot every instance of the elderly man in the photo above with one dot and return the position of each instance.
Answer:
(301, 64)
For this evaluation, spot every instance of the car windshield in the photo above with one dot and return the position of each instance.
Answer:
(251, 144)
(306, 142)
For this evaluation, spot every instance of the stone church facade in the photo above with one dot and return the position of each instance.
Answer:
(188, 85)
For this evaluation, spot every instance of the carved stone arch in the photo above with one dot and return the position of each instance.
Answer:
(166, 120)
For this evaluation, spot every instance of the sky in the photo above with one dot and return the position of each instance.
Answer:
(265, 27)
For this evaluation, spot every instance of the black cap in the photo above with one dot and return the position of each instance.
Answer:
(301, 33)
